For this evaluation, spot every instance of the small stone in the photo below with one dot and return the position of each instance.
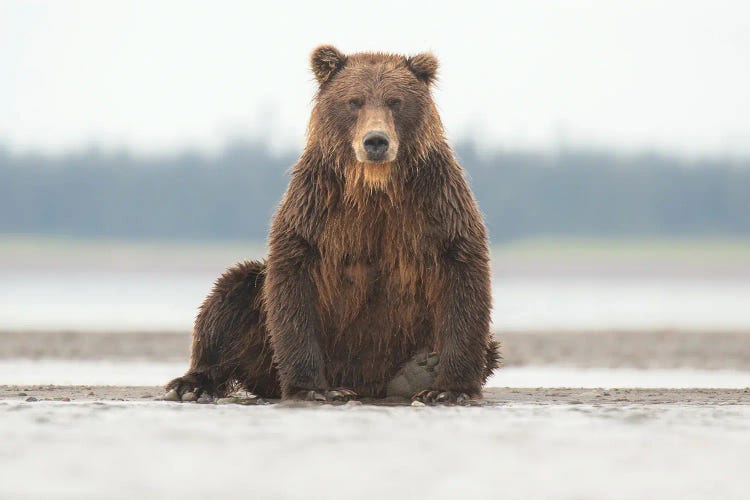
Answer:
(226, 401)
(205, 399)
(22, 394)
(189, 397)
(66, 399)
(146, 396)
(91, 393)
(171, 396)
(352, 404)
(261, 401)
(418, 403)
(31, 399)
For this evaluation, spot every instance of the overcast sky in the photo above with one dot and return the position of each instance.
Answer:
(156, 76)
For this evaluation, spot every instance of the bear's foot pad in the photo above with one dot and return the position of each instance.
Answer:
(415, 375)
(442, 397)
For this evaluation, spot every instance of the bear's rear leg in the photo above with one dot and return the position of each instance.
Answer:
(230, 347)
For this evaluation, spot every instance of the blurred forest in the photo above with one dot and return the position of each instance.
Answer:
(231, 196)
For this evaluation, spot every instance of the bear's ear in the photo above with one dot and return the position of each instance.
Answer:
(424, 66)
(325, 61)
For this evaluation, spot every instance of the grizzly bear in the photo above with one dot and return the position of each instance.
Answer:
(377, 253)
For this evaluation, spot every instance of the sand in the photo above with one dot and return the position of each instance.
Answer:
(586, 349)
(116, 442)
(93, 441)
(494, 396)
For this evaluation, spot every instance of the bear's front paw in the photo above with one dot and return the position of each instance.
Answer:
(441, 397)
(187, 388)
(341, 394)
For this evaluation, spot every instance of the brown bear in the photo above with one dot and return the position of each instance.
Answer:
(377, 253)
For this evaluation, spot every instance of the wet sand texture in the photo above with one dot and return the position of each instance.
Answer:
(495, 396)
(603, 349)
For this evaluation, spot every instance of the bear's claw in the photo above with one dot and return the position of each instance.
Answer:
(441, 397)
(341, 394)
(185, 388)
(185, 393)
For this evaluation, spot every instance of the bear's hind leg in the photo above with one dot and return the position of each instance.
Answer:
(230, 348)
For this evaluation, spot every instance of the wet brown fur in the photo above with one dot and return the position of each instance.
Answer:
(368, 262)
(231, 348)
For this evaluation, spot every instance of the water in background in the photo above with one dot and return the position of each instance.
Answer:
(127, 287)
(139, 300)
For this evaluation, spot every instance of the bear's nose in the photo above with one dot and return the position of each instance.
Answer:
(376, 145)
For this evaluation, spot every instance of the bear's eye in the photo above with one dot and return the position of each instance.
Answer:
(355, 103)
(393, 103)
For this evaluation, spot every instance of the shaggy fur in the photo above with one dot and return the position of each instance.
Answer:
(369, 263)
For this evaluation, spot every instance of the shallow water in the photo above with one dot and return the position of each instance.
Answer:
(100, 372)
(158, 450)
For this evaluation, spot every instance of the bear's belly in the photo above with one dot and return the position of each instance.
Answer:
(374, 321)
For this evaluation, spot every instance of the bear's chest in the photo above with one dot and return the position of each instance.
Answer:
(376, 234)
(376, 258)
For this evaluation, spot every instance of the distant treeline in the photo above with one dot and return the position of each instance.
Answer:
(234, 194)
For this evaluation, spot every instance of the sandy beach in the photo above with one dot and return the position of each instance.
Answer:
(605, 435)
(647, 349)
(493, 396)
(611, 439)
(117, 442)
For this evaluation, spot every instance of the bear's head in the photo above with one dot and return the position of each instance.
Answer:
(373, 113)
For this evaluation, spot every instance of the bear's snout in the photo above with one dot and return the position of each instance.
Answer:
(375, 139)
(376, 145)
